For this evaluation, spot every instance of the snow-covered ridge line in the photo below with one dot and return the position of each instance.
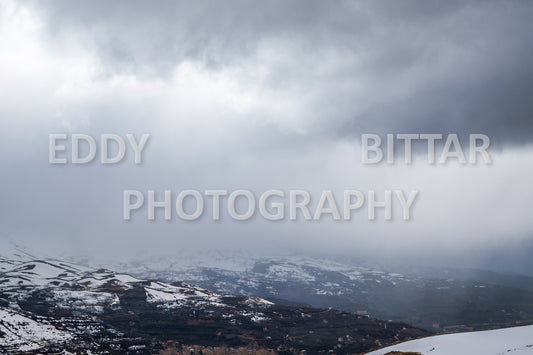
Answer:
(82, 287)
(74, 298)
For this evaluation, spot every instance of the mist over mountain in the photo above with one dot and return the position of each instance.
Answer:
(437, 299)
(283, 177)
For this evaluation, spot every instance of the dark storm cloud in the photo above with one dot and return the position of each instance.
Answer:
(459, 66)
(502, 108)
(140, 35)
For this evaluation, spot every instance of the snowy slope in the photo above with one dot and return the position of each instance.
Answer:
(23, 333)
(516, 340)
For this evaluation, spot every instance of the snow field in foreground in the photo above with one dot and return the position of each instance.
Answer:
(516, 340)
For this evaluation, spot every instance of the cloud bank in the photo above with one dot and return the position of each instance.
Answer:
(266, 96)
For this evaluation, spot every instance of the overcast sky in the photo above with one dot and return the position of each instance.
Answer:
(264, 96)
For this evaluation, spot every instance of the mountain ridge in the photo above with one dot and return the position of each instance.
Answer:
(442, 300)
(49, 305)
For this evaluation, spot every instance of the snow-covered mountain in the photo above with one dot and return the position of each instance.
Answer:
(510, 341)
(53, 305)
(75, 287)
(45, 302)
(443, 303)
(48, 305)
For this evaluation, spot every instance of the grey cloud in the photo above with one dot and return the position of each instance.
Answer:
(138, 35)
(345, 67)
(469, 63)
